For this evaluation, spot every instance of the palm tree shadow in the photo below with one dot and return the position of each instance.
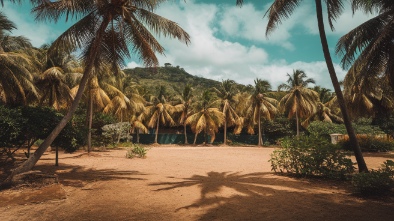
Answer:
(78, 176)
(265, 196)
(243, 184)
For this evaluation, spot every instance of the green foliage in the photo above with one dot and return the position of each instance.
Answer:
(369, 144)
(376, 182)
(26, 125)
(320, 128)
(136, 151)
(310, 156)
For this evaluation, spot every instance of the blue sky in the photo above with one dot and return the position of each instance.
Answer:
(227, 41)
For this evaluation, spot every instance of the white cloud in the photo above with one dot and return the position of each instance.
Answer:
(133, 65)
(38, 33)
(211, 57)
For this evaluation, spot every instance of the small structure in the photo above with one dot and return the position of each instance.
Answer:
(335, 138)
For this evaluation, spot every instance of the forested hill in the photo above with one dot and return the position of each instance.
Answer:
(173, 78)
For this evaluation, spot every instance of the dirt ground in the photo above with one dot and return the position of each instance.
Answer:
(186, 183)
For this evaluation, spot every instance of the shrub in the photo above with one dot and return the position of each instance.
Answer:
(136, 151)
(369, 144)
(311, 156)
(376, 182)
(320, 128)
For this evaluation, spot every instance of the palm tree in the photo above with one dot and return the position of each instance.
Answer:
(225, 94)
(206, 117)
(369, 48)
(16, 77)
(103, 34)
(280, 10)
(54, 90)
(161, 111)
(323, 113)
(325, 94)
(186, 101)
(260, 105)
(300, 101)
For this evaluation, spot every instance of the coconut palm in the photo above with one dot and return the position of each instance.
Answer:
(369, 48)
(207, 117)
(259, 105)
(226, 93)
(161, 111)
(16, 77)
(104, 34)
(281, 10)
(54, 90)
(325, 94)
(367, 96)
(323, 113)
(300, 101)
(186, 100)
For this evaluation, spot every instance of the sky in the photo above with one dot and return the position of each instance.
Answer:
(228, 41)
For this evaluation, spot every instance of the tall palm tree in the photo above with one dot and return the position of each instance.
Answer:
(104, 33)
(16, 77)
(226, 93)
(186, 101)
(323, 113)
(280, 10)
(300, 101)
(260, 105)
(369, 48)
(207, 117)
(161, 111)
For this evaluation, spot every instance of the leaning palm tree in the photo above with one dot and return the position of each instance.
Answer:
(280, 10)
(300, 101)
(226, 93)
(260, 105)
(104, 33)
(207, 117)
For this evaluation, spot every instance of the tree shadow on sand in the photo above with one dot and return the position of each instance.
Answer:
(78, 176)
(264, 196)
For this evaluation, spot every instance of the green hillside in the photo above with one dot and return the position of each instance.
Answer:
(175, 79)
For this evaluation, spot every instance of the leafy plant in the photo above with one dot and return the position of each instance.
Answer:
(136, 151)
(376, 182)
(310, 156)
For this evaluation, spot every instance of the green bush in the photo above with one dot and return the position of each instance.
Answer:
(136, 151)
(376, 182)
(311, 156)
(320, 128)
(369, 144)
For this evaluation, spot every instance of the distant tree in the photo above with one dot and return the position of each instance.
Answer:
(300, 101)
(207, 117)
(225, 94)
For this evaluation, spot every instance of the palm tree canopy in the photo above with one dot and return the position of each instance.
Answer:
(369, 48)
(283, 9)
(122, 22)
(296, 79)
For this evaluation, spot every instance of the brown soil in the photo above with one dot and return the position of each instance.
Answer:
(186, 183)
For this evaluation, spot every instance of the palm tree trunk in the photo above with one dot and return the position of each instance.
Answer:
(94, 50)
(121, 128)
(138, 135)
(184, 129)
(195, 138)
(225, 131)
(297, 122)
(259, 144)
(362, 166)
(157, 128)
(90, 120)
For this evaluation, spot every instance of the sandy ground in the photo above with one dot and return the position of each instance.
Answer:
(186, 183)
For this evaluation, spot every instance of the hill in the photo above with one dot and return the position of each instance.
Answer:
(173, 78)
